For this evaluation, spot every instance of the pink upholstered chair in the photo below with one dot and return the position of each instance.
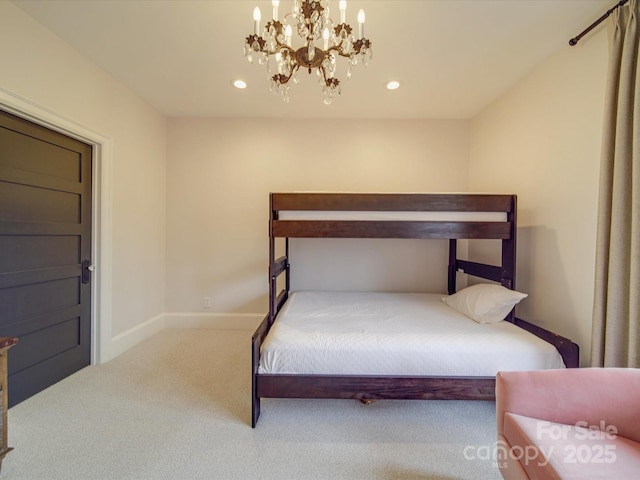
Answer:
(574, 423)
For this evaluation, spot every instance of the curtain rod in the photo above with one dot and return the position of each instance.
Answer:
(575, 39)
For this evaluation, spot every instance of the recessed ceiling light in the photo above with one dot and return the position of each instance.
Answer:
(393, 85)
(239, 84)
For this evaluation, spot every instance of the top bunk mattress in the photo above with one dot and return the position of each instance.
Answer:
(369, 333)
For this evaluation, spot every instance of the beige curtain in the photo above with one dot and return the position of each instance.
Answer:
(616, 313)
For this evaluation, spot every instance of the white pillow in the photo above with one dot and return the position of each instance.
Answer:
(485, 302)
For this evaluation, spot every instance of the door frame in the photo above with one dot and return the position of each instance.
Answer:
(102, 205)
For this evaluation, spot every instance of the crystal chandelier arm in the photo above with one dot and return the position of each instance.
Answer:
(347, 45)
(280, 40)
(343, 39)
(312, 13)
(362, 45)
(281, 79)
(330, 82)
(339, 50)
(253, 40)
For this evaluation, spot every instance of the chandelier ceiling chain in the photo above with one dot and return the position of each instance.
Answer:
(311, 20)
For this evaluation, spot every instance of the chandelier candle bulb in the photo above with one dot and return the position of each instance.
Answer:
(325, 38)
(361, 24)
(256, 20)
(274, 4)
(288, 33)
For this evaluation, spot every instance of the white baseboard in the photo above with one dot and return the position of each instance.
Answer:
(125, 340)
(213, 321)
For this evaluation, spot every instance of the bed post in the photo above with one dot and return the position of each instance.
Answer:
(451, 274)
(255, 358)
(509, 254)
(272, 257)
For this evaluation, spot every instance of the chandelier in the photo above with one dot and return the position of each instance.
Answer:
(311, 20)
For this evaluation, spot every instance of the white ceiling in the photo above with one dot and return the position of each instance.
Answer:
(453, 57)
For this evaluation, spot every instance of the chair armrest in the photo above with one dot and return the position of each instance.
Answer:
(598, 396)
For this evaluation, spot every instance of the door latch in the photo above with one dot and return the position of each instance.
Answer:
(87, 268)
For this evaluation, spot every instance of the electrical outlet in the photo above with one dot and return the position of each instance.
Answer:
(206, 303)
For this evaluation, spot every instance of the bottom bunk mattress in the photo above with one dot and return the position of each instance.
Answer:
(370, 333)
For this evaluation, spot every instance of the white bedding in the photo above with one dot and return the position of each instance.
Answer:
(400, 216)
(358, 333)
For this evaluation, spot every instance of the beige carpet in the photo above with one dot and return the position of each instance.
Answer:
(177, 406)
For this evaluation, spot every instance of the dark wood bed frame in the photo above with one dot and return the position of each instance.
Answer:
(390, 387)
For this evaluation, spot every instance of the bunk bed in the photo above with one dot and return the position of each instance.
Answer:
(452, 217)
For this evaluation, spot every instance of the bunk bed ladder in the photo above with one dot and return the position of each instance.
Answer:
(276, 268)
(453, 269)
(509, 256)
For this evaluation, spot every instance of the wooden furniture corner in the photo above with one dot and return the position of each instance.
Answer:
(5, 344)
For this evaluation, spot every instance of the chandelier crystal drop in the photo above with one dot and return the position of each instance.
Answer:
(311, 20)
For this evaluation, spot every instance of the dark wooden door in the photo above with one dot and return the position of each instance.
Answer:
(45, 252)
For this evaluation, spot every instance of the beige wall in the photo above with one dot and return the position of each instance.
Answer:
(220, 173)
(542, 141)
(41, 68)
(190, 201)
